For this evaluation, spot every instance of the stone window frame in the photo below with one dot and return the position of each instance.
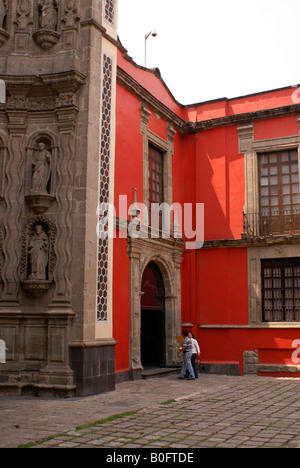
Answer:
(251, 148)
(255, 255)
(166, 147)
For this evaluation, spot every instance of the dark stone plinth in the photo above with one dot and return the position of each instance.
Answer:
(94, 369)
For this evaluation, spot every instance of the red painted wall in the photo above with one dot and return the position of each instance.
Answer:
(129, 148)
(279, 127)
(148, 80)
(220, 182)
(121, 304)
(221, 274)
(222, 286)
(240, 105)
(128, 176)
(207, 168)
(275, 346)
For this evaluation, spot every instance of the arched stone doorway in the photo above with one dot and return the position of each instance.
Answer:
(166, 255)
(153, 318)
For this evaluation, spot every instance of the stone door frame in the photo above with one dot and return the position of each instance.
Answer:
(167, 255)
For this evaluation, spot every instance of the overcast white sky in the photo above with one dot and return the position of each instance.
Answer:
(209, 49)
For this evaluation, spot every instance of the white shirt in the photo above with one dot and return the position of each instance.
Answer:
(195, 346)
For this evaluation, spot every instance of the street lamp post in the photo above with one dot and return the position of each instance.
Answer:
(153, 34)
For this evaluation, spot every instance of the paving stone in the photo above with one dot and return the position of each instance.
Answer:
(215, 411)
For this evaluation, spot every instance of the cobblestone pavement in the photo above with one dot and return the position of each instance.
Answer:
(213, 411)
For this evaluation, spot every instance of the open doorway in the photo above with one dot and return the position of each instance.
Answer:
(153, 317)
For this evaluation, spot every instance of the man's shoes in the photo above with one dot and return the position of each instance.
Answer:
(186, 378)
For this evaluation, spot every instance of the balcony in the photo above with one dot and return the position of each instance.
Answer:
(275, 223)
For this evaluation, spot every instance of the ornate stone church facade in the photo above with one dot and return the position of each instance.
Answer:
(58, 61)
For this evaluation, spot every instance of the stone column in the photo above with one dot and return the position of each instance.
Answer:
(66, 111)
(135, 365)
(14, 199)
(57, 372)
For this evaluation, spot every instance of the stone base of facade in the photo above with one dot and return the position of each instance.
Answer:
(94, 367)
(45, 383)
(231, 368)
(36, 390)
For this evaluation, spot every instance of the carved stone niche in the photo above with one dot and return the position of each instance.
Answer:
(41, 176)
(3, 151)
(38, 255)
(47, 35)
(4, 35)
(1, 251)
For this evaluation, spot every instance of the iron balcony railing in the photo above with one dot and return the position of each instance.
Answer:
(273, 223)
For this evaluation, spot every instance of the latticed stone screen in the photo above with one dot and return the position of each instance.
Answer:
(103, 242)
(109, 10)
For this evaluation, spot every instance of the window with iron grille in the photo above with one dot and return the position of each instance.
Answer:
(279, 192)
(281, 290)
(156, 186)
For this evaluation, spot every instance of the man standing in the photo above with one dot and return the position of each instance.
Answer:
(195, 353)
(187, 356)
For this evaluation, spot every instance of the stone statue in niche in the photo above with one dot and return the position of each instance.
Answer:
(39, 198)
(48, 14)
(4, 36)
(38, 254)
(47, 35)
(3, 13)
(41, 171)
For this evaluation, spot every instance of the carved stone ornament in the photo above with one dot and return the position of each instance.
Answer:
(71, 17)
(23, 11)
(46, 39)
(3, 12)
(40, 203)
(36, 288)
(48, 14)
(39, 198)
(38, 257)
(1, 250)
(47, 36)
(4, 36)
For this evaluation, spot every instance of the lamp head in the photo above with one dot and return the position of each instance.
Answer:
(152, 33)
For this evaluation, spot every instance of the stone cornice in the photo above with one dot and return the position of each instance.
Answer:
(136, 246)
(247, 242)
(92, 343)
(101, 29)
(194, 127)
(66, 82)
(244, 118)
(94, 23)
(135, 88)
(263, 325)
(54, 91)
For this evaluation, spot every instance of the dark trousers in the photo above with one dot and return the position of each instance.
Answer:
(193, 361)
